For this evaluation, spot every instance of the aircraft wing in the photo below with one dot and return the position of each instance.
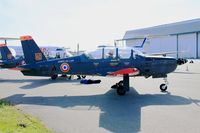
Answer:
(165, 53)
(162, 53)
(131, 71)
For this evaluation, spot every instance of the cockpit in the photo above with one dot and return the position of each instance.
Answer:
(113, 53)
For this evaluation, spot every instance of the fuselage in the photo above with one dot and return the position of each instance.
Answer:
(83, 65)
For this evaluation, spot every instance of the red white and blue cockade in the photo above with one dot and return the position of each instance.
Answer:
(64, 67)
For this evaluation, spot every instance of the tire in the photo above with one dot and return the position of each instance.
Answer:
(121, 91)
(163, 87)
(54, 77)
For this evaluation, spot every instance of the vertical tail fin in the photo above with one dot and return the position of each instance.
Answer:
(5, 53)
(32, 52)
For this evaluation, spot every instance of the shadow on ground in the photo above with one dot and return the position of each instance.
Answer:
(35, 83)
(118, 114)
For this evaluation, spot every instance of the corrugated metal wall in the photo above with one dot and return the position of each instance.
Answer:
(199, 45)
(187, 45)
(163, 44)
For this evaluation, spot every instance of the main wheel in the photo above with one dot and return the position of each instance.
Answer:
(121, 91)
(163, 87)
(54, 76)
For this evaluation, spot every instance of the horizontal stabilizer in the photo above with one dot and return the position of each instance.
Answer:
(8, 38)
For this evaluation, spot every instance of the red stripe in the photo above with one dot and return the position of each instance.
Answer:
(125, 71)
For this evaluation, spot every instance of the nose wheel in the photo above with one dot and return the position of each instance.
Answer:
(163, 87)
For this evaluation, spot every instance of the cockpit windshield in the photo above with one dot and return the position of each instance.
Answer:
(113, 52)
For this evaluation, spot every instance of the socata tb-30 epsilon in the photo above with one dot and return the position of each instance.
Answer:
(133, 64)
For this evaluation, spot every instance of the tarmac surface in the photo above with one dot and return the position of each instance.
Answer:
(68, 106)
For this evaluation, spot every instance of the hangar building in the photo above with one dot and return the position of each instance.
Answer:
(184, 39)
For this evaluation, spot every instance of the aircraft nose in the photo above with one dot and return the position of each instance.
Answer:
(181, 61)
(164, 65)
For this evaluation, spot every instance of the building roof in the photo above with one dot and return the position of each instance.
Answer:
(183, 27)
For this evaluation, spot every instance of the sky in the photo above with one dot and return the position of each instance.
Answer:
(89, 23)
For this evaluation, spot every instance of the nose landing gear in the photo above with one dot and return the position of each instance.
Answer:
(163, 87)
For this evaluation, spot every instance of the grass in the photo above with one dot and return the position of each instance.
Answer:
(12, 120)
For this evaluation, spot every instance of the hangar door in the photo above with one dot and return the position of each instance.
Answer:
(187, 46)
(199, 45)
(163, 44)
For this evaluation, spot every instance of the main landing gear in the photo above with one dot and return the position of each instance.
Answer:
(54, 75)
(163, 87)
(122, 86)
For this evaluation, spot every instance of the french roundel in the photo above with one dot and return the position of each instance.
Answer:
(64, 67)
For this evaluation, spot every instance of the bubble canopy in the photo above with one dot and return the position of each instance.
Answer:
(113, 52)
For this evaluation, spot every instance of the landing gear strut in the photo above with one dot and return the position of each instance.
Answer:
(163, 87)
(53, 73)
(122, 86)
(54, 76)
